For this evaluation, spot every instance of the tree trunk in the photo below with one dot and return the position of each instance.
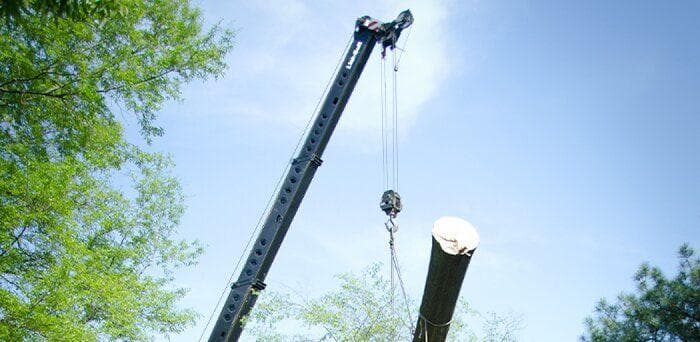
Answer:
(454, 241)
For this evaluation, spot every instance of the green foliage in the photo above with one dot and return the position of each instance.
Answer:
(14, 10)
(361, 310)
(662, 309)
(87, 219)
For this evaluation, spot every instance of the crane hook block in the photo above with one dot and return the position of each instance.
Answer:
(391, 203)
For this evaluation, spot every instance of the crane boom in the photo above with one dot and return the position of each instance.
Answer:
(243, 294)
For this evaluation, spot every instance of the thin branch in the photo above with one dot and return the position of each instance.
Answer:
(145, 80)
(19, 236)
(43, 72)
(30, 92)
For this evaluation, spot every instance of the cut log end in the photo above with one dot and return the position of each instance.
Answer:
(455, 235)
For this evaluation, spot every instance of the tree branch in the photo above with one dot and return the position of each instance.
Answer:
(30, 92)
(16, 239)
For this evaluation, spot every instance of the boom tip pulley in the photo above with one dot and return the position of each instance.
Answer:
(388, 33)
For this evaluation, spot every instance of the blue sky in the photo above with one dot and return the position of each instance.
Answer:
(566, 132)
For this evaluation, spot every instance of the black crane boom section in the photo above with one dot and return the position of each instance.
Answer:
(243, 295)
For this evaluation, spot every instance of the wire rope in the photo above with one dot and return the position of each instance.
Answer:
(395, 104)
(390, 171)
(395, 265)
(382, 110)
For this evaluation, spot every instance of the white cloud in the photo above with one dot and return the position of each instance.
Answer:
(423, 69)
(282, 75)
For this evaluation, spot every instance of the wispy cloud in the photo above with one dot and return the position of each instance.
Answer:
(295, 49)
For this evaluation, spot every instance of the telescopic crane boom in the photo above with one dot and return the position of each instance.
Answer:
(243, 294)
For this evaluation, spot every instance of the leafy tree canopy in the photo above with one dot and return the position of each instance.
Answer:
(662, 309)
(75, 9)
(361, 309)
(87, 219)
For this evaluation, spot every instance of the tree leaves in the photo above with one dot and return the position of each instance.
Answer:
(360, 310)
(87, 218)
(662, 309)
(15, 10)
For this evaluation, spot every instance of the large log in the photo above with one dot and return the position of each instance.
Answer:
(454, 242)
